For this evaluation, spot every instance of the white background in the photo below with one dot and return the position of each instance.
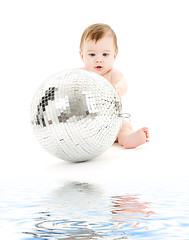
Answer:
(41, 37)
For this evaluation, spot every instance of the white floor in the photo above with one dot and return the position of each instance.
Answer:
(163, 159)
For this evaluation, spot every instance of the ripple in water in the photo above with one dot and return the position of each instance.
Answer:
(83, 211)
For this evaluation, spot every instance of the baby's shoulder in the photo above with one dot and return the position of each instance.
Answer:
(116, 75)
(116, 71)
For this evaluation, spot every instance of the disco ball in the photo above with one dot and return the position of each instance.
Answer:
(76, 115)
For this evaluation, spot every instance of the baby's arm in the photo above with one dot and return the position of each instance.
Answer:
(119, 83)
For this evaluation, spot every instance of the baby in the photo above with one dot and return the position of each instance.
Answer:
(98, 50)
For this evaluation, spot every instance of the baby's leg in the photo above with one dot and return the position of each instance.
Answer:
(128, 138)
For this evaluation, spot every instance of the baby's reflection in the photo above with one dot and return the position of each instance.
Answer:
(83, 211)
(128, 208)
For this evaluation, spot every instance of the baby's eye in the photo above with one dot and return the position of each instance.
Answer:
(105, 54)
(91, 54)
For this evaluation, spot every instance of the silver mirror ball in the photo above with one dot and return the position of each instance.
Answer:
(76, 115)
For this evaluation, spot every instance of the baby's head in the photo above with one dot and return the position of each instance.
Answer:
(98, 48)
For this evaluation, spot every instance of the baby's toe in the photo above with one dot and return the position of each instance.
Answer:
(146, 131)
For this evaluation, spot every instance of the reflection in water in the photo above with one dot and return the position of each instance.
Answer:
(129, 209)
(83, 211)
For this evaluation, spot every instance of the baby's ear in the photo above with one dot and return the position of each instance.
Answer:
(81, 54)
(115, 54)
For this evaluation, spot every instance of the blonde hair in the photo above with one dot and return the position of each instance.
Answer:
(95, 32)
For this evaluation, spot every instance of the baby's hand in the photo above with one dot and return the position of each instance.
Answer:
(117, 90)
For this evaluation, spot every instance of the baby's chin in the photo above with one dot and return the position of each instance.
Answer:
(101, 71)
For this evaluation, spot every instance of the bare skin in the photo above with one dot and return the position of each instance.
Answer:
(128, 138)
(99, 57)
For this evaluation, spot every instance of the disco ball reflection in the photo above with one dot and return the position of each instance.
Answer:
(76, 115)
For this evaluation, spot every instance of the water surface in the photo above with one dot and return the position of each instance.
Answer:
(81, 210)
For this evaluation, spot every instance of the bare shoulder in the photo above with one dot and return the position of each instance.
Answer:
(116, 75)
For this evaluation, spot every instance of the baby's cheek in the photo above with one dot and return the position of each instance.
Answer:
(87, 63)
(89, 67)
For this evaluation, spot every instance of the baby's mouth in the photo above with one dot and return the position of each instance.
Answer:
(98, 67)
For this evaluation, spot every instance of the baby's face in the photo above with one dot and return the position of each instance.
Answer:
(99, 57)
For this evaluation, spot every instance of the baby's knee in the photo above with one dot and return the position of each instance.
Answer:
(125, 124)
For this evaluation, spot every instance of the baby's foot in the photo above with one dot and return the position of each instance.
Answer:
(137, 138)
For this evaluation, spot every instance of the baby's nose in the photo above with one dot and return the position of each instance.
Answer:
(98, 60)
